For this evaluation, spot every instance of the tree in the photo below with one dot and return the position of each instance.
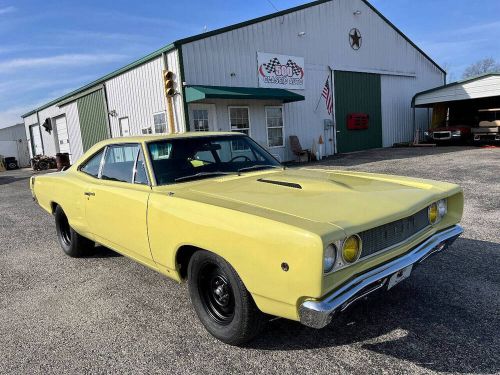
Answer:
(483, 66)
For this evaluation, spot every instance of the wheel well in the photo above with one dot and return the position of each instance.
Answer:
(182, 258)
(53, 206)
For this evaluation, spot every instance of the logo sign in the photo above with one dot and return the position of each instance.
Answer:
(280, 71)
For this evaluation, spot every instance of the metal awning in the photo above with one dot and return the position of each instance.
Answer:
(199, 93)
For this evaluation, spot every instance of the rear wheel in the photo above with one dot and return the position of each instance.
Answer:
(71, 242)
(221, 301)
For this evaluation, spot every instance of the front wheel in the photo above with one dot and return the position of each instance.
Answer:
(221, 301)
(71, 242)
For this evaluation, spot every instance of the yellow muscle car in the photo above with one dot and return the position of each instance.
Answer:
(250, 236)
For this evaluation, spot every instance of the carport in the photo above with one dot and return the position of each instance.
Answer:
(461, 103)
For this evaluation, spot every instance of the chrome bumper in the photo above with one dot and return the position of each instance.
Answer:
(318, 314)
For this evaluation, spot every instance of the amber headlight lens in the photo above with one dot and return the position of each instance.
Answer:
(437, 211)
(329, 258)
(351, 249)
(433, 213)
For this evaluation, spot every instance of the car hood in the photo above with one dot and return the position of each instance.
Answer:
(341, 198)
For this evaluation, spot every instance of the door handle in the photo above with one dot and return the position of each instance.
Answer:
(89, 193)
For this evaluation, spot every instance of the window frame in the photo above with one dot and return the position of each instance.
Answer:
(153, 127)
(275, 127)
(229, 107)
(84, 163)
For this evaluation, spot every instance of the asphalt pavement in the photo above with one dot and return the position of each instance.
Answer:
(108, 314)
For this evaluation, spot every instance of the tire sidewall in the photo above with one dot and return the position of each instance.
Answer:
(59, 216)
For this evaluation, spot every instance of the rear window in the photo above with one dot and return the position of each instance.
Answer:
(91, 167)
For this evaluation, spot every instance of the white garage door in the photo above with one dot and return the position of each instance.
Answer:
(62, 134)
(36, 140)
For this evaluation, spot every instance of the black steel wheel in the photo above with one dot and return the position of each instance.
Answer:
(221, 300)
(72, 243)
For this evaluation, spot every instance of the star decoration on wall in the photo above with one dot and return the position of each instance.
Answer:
(355, 39)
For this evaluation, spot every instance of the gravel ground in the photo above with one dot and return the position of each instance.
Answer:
(107, 314)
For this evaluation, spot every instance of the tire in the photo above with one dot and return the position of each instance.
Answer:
(71, 242)
(221, 301)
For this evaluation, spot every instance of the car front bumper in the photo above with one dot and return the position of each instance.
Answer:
(319, 313)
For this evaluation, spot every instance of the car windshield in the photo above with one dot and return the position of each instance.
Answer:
(192, 158)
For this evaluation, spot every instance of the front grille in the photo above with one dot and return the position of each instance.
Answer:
(390, 234)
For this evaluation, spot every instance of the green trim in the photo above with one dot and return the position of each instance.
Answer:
(198, 93)
(183, 90)
(457, 83)
(113, 74)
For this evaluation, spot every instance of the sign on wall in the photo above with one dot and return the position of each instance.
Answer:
(280, 71)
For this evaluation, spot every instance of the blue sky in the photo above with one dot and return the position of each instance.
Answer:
(48, 48)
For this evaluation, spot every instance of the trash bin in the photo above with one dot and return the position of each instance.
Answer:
(62, 160)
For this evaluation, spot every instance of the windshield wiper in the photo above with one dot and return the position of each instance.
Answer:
(200, 175)
(257, 166)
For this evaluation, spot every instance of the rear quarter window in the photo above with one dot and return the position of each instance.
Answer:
(91, 166)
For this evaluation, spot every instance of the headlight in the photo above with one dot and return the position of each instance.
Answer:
(456, 133)
(329, 258)
(437, 210)
(351, 250)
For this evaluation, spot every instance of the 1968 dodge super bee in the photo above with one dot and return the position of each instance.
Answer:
(251, 238)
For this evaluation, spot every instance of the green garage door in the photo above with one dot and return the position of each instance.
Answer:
(358, 93)
(93, 118)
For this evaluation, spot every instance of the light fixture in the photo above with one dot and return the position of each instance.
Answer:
(302, 33)
(113, 113)
(357, 12)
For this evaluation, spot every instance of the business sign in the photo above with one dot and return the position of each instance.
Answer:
(280, 71)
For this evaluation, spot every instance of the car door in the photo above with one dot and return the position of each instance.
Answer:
(117, 202)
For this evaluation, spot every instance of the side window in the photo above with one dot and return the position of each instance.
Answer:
(140, 176)
(91, 167)
(119, 162)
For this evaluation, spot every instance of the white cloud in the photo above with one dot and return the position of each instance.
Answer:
(58, 61)
(11, 116)
(6, 10)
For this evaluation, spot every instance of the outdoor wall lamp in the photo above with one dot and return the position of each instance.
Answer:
(357, 13)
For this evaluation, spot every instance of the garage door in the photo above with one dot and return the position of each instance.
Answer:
(62, 134)
(358, 111)
(36, 140)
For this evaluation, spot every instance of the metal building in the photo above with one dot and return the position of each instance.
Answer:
(13, 143)
(335, 69)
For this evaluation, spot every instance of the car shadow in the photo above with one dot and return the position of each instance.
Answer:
(100, 251)
(444, 318)
(5, 180)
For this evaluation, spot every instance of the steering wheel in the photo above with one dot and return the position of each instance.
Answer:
(246, 158)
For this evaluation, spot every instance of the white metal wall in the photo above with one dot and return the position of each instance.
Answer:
(211, 61)
(139, 93)
(50, 140)
(74, 132)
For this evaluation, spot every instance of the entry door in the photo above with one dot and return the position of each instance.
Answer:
(124, 127)
(202, 117)
(62, 134)
(36, 140)
(358, 93)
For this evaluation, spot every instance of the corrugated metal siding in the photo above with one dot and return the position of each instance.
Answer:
(28, 121)
(93, 123)
(481, 88)
(49, 140)
(139, 93)
(75, 138)
(212, 60)
(14, 138)
(358, 93)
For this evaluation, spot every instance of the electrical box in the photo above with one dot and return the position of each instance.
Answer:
(328, 123)
(357, 121)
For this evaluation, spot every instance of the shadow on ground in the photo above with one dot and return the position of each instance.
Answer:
(426, 320)
(4, 180)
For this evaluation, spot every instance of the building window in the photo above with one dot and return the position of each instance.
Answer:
(160, 122)
(274, 123)
(200, 119)
(239, 120)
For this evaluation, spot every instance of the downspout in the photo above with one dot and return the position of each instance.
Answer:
(183, 91)
(334, 127)
(106, 105)
(40, 132)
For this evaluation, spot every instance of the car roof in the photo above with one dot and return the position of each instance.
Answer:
(153, 138)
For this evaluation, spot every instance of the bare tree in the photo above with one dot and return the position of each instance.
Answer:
(488, 65)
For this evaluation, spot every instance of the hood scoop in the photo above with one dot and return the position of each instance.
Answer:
(281, 183)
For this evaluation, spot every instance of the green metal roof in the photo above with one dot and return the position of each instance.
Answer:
(180, 42)
(197, 93)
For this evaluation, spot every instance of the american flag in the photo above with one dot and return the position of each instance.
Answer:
(328, 97)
